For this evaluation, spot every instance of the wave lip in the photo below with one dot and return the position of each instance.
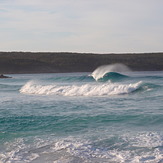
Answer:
(104, 70)
(80, 90)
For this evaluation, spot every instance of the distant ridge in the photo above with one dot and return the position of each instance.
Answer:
(53, 62)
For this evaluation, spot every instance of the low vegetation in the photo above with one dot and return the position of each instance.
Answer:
(30, 62)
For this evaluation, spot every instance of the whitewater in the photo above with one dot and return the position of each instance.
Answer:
(112, 115)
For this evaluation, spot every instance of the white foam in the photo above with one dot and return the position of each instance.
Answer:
(145, 140)
(87, 151)
(97, 89)
(102, 70)
(16, 152)
(73, 149)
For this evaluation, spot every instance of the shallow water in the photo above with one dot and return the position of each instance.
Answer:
(72, 117)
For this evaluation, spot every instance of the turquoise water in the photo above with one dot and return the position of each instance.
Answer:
(74, 118)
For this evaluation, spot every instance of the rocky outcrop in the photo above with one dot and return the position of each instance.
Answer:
(3, 76)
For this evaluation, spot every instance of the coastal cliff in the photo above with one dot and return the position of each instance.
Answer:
(53, 62)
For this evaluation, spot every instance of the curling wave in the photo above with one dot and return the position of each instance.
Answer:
(113, 76)
(106, 89)
(109, 72)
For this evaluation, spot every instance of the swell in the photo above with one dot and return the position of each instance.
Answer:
(75, 123)
(113, 77)
(83, 78)
(108, 76)
(148, 87)
(10, 87)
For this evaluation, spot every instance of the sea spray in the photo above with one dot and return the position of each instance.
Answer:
(102, 70)
(96, 89)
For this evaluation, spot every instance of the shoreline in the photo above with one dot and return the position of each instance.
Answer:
(39, 73)
(66, 62)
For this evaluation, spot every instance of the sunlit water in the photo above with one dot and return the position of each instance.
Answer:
(73, 118)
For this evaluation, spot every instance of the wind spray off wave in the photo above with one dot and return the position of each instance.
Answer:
(101, 71)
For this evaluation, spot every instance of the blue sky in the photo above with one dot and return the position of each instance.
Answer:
(99, 26)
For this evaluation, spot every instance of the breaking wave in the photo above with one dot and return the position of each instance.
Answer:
(95, 89)
(113, 76)
(112, 71)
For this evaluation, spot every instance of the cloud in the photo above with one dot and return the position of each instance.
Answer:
(83, 26)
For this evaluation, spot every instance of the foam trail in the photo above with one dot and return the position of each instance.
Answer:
(80, 90)
(79, 150)
(102, 70)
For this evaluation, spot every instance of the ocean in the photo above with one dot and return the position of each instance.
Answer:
(112, 115)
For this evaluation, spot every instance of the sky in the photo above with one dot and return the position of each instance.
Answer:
(89, 26)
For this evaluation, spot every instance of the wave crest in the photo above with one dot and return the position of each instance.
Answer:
(80, 90)
(113, 76)
(101, 71)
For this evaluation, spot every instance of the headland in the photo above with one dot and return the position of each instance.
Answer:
(61, 62)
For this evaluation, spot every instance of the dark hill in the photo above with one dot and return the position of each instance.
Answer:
(29, 62)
